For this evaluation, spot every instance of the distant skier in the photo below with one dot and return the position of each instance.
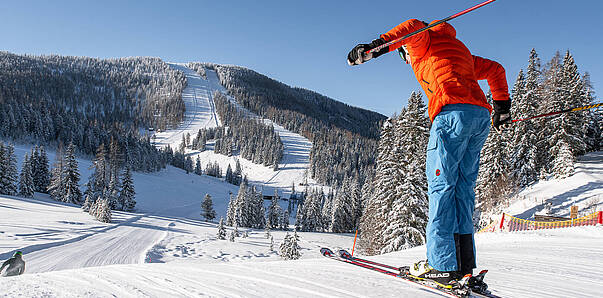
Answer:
(460, 116)
(16, 265)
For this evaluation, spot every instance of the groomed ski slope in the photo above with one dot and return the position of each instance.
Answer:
(166, 251)
(48, 230)
(200, 113)
(188, 261)
(200, 109)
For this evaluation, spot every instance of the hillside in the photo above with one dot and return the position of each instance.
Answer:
(583, 189)
(74, 256)
(200, 113)
(343, 137)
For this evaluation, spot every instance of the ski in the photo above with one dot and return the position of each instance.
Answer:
(469, 286)
(463, 293)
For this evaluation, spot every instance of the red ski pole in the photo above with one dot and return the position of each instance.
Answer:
(430, 26)
(561, 112)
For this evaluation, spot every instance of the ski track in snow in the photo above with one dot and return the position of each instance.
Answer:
(69, 254)
(200, 109)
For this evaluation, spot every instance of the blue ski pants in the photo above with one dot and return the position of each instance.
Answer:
(457, 136)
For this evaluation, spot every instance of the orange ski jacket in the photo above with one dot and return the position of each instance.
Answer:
(445, 68)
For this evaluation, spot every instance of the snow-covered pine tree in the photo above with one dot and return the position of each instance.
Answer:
(94, 206)
(327, 209)
(127, 195)
(358, 205)
(112, 192)
(533, 103)
(229, 175)
(188, 164)
(238, 173)
(230, 212)
(524, 139)
(271, 243)
(100, 178)
(56, 187)
(207, 208)
(103, 212)
(372, 221)
(231, 236)
(311, 215)
(406, 220)
(275, 212)
(241, 207)
(39, 169)
(89, 198)
(221, 230)
(563, 164)
(259, 210)
(198, 168)
(342, 218)
(236, 230)
(26, 184)
(289, 249)
(285, 221)
(569, 129)
(71, 176)
(551, 84)
(42, 177)
(573, 91)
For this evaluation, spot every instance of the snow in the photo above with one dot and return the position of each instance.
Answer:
(75, 256)
(583, 189)
(200, 108)
(200, 113)
(165, 250)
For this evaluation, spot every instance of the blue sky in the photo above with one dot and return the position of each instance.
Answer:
(303, 43)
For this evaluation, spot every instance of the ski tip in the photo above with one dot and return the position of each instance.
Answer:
(326, 252)
(483, 272)
(344, 254)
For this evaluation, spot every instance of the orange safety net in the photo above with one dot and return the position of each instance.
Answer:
(513, 224)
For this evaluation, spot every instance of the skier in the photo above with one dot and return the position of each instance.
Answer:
(460, 116)
(16, 265)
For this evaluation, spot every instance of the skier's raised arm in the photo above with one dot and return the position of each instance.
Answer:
(494, 73)
(358, 54)
(412, 25)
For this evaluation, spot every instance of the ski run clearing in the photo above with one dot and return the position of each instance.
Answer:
(165, 250)
(201, 113)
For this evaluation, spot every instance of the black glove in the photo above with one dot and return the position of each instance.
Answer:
(501, 118)
(358, 54)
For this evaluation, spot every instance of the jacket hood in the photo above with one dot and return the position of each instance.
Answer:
(444, 29)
